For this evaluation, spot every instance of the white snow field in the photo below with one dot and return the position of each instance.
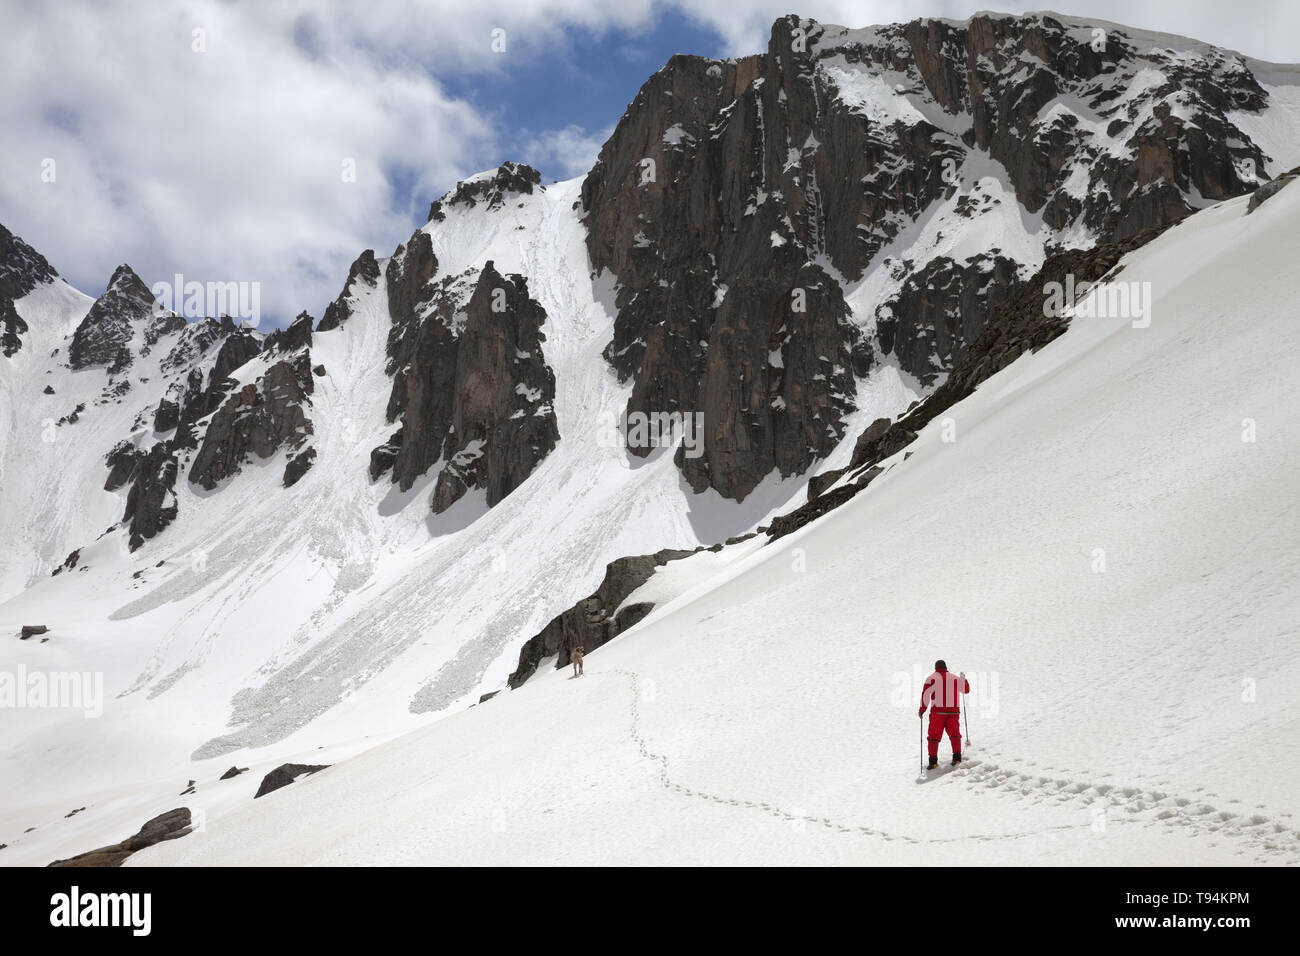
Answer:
(1108, 548)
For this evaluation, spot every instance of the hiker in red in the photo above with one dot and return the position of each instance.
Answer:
(944, 691)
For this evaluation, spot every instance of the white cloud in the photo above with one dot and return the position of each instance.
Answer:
(227, 164)
(570, 151)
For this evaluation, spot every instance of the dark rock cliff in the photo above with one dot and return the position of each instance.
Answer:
(258, 419)
(151, 502)
(729, 187)
(503, 394)
(22, 268)
(471, 386)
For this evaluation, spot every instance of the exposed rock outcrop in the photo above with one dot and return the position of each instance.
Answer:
(364, 273)
(503, 394)
(470, 382)
(122, 461)
(22, 268)
(491, 190)
(166, 826)
(940, 310)
(707, 206)
(297, 465)
(166, 416)
(296, 336)
(259, 419)
(593, 621)
(103, 338)
(1018, 326)
(240, 347)
(728, 185)
(151, 503)
(421, 360)
(1271, 188)
(284, 775)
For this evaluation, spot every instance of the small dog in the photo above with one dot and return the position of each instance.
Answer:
(576, 656)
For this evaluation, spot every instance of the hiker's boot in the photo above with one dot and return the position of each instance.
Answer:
(956, 759)
(934, 762)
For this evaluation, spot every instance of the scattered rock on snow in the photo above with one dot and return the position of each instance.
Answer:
(284, 775)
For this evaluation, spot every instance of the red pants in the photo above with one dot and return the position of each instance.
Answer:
(938, 724)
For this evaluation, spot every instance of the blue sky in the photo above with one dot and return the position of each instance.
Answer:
(587, 81)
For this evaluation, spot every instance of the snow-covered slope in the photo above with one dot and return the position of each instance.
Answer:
(1107, 548)
(29, 460)
(338, 610)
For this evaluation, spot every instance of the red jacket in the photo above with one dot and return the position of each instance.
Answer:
(944, 690)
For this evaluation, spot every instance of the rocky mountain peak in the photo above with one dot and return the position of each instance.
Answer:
(22, 268)
(363, 273)
(104, 336)
(490, 189)
(125, 282)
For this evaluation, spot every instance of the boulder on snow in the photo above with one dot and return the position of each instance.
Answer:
(233, 772)
(165, 826)
(284, 775)
(31, 630)
(297, 465)
(1268, 190)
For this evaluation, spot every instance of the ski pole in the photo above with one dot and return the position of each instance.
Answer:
(965, 711)
(921, 724)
